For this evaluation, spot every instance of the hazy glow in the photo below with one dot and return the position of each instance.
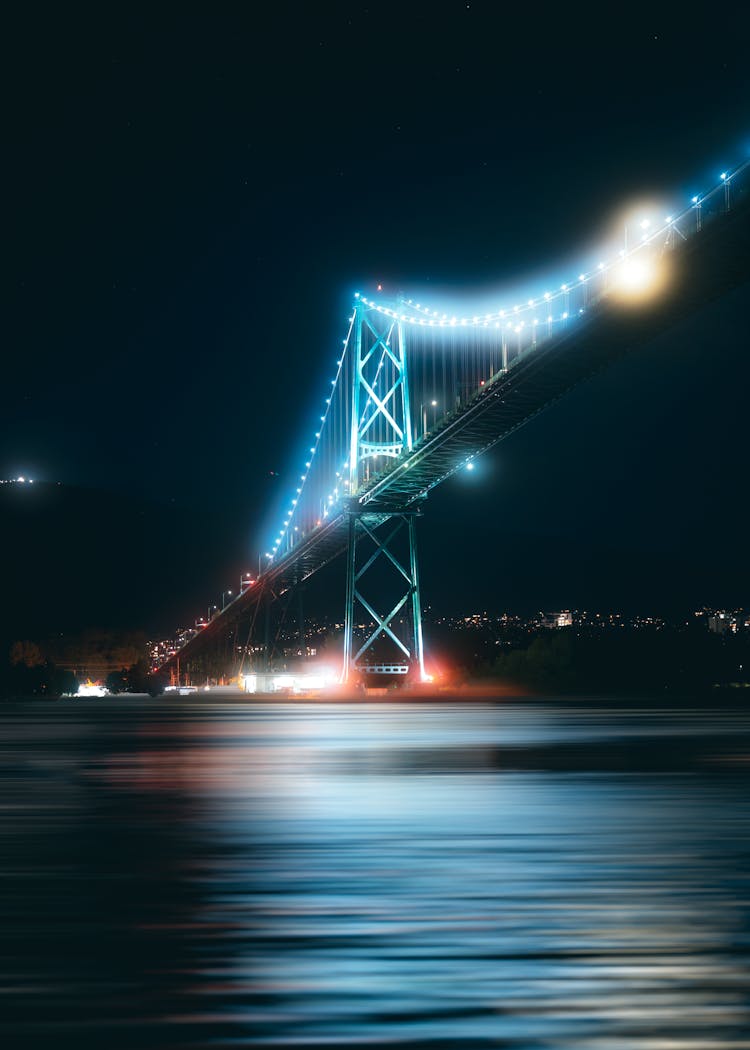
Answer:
(89, 688)
(297, 682)
(638, 277)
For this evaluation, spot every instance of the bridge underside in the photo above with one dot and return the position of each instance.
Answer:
(709, 265)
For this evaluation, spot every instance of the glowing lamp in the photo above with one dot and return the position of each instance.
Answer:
(637, 277)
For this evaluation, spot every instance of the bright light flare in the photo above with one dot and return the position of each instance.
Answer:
(638, 277)
(90, 688)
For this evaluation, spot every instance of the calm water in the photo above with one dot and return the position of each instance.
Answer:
(417, 875)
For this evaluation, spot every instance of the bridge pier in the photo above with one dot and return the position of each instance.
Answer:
(386, 543)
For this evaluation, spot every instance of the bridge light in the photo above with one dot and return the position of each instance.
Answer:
(581, 277)
(695, 199)
(637, 277)
(723, 176)
(469, 465)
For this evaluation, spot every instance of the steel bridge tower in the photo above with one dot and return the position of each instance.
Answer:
(382, 569)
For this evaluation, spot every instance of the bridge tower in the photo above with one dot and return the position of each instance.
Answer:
(382, 569)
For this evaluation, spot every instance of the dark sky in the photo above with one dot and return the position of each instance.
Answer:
(191, 201)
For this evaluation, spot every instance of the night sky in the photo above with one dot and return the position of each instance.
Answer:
(191, 201)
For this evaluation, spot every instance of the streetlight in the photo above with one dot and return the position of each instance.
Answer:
(223, 599)
(210, 609)
(246, 580)
(697, 205)
(725, 180)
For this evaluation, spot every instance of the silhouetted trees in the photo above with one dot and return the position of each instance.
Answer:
(686, 661)
(28, 673)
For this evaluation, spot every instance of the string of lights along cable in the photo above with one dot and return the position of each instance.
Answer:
(453, 355)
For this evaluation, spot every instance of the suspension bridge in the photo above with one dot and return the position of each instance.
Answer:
(419, 392)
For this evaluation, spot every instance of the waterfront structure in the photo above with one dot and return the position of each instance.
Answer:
(419, 391)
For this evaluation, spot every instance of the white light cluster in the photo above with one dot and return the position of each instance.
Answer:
(494, 320)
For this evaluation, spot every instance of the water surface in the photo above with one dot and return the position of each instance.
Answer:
(532, 875)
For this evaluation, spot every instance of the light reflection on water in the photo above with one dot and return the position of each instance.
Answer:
(531, 875)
